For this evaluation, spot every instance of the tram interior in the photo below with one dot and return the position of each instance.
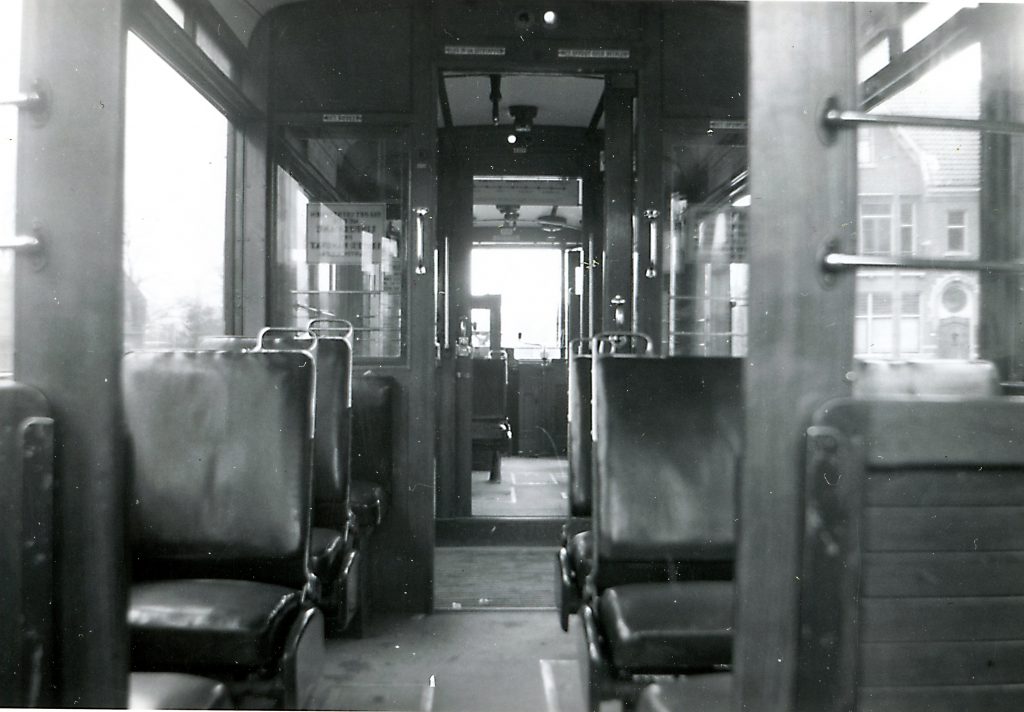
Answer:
(505, 356)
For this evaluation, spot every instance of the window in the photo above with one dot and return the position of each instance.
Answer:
(529, 281)
(887, 323)
(176, 147)
(875, 228)
(10, 55)
(342, 205)
(956, 231)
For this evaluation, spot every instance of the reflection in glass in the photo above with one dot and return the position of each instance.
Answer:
(341, 225)
(918, 197)
(174, 209)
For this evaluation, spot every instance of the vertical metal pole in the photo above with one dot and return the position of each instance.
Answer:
(803, 187)
(69, 324)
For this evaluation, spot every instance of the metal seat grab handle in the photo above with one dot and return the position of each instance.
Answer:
(612, 342)
(283, 331)
(316, 326)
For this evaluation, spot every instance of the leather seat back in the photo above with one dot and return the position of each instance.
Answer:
(372, 429)
(668, 449)
(580, 486)
(221, 456)
(333, 439)
(490, 383)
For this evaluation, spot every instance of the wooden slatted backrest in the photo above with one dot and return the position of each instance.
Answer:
(913, 564)
(27, 641)
(221, 461)
(667, 452)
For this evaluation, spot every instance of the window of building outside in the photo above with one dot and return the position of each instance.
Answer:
(176, 147)
(529, 281)
(10, 56)
(956, 231)
(919, 191)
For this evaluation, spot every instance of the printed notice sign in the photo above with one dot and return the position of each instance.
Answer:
(335, 232)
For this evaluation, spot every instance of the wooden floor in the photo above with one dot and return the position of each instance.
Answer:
(529, 487)
(493, 644)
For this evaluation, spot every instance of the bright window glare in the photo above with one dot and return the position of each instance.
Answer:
(929, 18)
(10, 55)
(530, 284)
(175, 183)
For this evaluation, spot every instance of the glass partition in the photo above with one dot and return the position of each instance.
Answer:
(342, 232)
(705, 303)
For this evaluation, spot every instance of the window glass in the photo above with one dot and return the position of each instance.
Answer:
(10, 56)
(529, 282)
(212, 49)
(174, 10)
(174, 213)
(919, 198)
(341, 232)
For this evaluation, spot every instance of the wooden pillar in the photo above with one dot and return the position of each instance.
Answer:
(650, 287)
(803, 188)
(69, 324)
(617, 280)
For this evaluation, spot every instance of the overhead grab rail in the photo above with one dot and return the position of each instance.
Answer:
(835, 117)
(833, 260)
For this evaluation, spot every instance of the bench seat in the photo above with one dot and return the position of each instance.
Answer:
(202, 624)
(176, 691)
(668, 628)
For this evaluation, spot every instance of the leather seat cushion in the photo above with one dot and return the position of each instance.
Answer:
(175, 691)
(201, 624)
(581, 554)
(368, 502)
(326, 552)
(668, 628)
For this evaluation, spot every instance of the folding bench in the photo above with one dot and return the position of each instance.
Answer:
(334, 556)
(576, 550)
(220, 451)
(491, 430)
(915, 494)
(668, 443)
(333, 552)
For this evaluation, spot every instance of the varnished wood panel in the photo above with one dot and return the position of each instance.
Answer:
(943, 574)
(984, 433)
(989, 698)
(992, 662)
(943, 529)
(968, 488)
(932, 619)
